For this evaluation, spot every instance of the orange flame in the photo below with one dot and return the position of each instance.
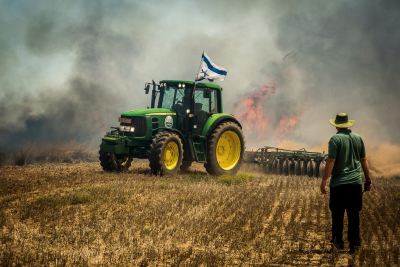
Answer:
(286, 124)
(253, 117)
(256, 117)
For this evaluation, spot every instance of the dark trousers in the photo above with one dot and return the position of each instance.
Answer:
(346, 197)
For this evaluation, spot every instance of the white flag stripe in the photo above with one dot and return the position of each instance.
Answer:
(209, 70)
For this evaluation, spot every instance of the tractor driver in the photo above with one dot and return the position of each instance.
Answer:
(201, 115)
(181, 107)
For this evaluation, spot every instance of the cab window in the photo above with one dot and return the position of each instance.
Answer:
(206, 101)
(201, 102)
(213, 99)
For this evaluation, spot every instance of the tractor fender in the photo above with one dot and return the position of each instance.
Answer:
(177, 132)
(215, 120)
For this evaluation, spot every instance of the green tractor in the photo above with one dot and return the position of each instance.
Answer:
(185, 123)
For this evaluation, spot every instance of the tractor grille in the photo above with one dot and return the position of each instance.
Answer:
(140, 126)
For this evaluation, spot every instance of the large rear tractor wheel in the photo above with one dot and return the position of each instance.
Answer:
(225, 149)
(166, 154)
(114, 162)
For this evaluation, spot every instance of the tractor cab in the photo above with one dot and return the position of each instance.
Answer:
(193, 103)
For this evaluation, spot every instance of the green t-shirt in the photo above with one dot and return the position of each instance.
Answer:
(347, 149)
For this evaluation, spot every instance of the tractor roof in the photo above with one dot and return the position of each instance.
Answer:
(209, 85)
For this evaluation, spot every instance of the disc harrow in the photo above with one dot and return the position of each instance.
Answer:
(273, 160)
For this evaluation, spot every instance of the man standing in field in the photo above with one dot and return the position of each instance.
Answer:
(346, 158)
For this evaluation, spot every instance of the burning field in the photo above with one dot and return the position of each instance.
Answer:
(75, 214)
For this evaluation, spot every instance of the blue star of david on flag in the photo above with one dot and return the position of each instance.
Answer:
(204, 72)
(210, 71)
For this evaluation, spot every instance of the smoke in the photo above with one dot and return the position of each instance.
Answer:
(68, 69)
(93, 91)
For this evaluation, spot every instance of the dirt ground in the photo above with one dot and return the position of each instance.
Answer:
(76, 214)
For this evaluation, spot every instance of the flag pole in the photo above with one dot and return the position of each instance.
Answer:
(194, 88)
(198, 73)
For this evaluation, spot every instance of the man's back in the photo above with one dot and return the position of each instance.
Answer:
(347, 149)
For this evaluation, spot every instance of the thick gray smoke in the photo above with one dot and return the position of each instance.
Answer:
(68, 69)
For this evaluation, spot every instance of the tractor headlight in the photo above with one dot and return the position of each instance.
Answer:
(183, 85)
(126, 129)
(179, 85)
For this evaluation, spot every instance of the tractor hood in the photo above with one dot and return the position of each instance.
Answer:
(149, 111)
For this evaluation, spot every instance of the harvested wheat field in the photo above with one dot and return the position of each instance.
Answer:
(76, 214)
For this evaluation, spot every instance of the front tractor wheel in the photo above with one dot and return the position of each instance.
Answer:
(225, 149)
(166, 153)
(114, 162)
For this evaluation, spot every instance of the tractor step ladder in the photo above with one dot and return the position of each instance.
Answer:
(199, 150)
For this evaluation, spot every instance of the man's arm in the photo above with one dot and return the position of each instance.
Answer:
(328, 169)
(365, 168)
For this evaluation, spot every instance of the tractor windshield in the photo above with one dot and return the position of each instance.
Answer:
(176, 98)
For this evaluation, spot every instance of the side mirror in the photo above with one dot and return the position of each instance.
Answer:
(147, 88)
(206, 93)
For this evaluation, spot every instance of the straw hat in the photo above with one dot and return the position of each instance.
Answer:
(342, 121)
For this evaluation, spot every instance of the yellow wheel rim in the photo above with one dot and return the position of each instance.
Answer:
(119, 162)
(171, 155)
(228, 150)
(123, 161)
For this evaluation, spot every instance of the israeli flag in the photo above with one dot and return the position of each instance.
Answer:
(210, 71)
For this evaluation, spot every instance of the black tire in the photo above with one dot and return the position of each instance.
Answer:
(297, 167)
(292, 170)
(105, 161)
(285, 167)
(212, 166)
(114, 163)
(157, 149)
(322, 169)
(310, 168)
(185, 165)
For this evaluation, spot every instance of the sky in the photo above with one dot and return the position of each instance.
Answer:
(69, 68)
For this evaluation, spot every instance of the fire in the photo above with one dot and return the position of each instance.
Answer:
(252, 116)
(286, 124)
(260, 119)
